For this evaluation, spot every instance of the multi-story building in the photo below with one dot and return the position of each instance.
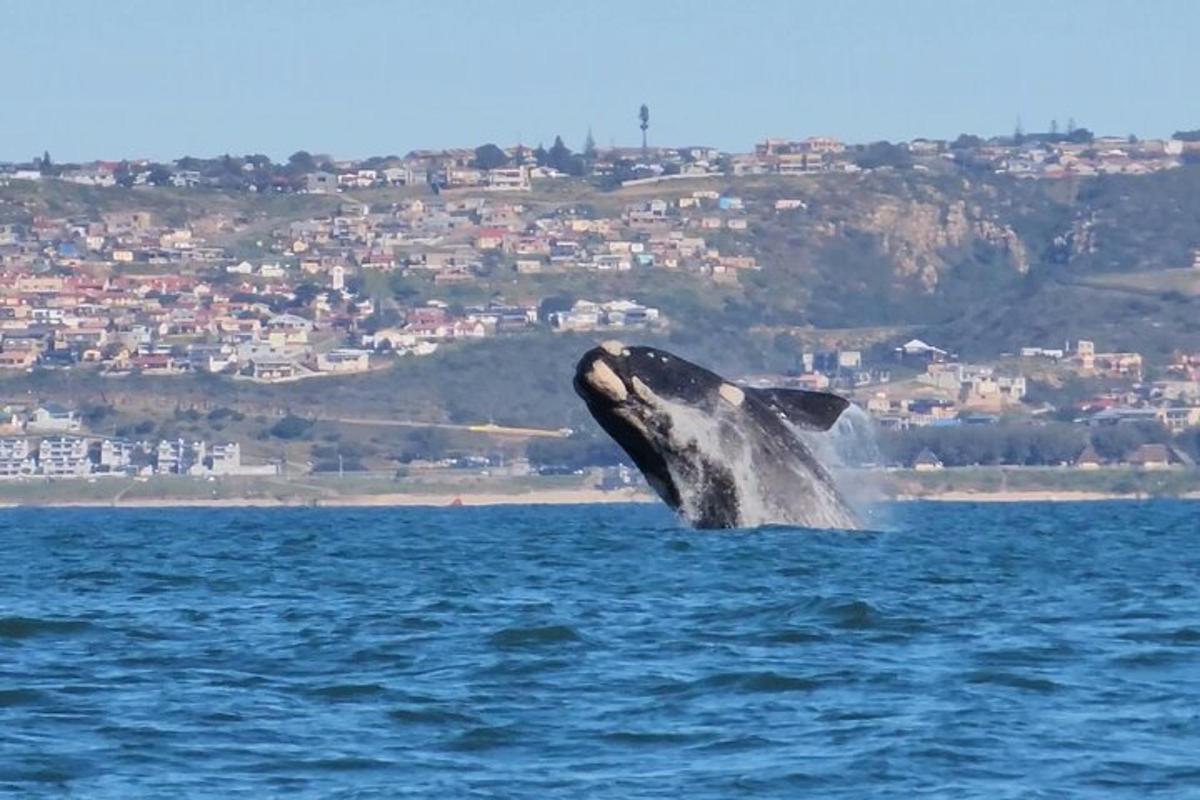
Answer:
(16, 460)
(64, 456)
(226, 458)
(116, 455)
(180, 457)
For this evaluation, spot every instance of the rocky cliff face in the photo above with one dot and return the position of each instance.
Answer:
(923, 239)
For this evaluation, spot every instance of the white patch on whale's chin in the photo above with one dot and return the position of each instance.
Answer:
(602, 378)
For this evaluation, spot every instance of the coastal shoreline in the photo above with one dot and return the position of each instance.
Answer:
(547, 497)
(384, 500)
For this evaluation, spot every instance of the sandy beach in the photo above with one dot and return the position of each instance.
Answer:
(542, 497)
(395, 499)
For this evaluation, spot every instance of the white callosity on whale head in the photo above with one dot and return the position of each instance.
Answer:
(614, 348)
(602, 378)
(731, 394)
(642, 391)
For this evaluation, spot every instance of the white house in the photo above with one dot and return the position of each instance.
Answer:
(52, 418)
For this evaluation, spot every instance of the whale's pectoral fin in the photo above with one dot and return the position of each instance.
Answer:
(812, 410)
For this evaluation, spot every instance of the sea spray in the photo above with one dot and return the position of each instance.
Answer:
(850, 450)
(810, 500)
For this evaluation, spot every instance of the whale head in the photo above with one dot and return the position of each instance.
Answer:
(632, 391)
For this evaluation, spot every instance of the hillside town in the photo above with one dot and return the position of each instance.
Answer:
(138, 292)
(124, 293)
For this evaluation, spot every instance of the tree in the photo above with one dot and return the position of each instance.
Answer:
(644, 123)
(883, 154)
(589, 146)
(305, 293)
(1080, 136)
(45, 165)
(559, 157)
(489, 156)
(159, 175)
(301, 161)
(290, 427)
(123, 175)
(554, 303)
(966, 141)
(541, 156)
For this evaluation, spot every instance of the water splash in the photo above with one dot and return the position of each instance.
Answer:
(851, 452)
(781, 492)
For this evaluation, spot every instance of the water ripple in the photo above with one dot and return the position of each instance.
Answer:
(970, 651)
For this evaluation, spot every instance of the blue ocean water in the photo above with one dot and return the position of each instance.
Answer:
(969, 651)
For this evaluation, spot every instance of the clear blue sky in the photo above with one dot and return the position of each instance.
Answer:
(120, 78)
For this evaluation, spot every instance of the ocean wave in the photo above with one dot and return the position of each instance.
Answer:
(534, 636)
(27, 627)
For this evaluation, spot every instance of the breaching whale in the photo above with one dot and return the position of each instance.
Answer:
(721, 455)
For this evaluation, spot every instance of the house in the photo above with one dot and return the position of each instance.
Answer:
(918, 351)
(490, 238)
(285, 329)
(508, 179)
(343, 360)
(211, 357)
(271, 369)
(1088, 459)
(18, 359)
(927, 461)
(225, 459)
(320, 183)
(53, 418)
(1179, 418)
(157, 364)
(1150, 456)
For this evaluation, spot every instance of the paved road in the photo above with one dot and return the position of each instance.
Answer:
(489, 428)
